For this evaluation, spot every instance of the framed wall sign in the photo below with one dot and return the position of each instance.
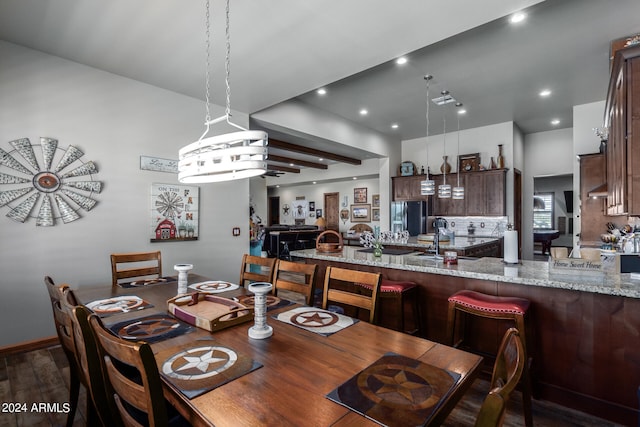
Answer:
(361, 213)
(375, 201)
(469, 162)
(375, 214)
(360, 195)
(174, 212)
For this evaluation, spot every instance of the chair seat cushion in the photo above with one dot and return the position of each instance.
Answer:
(391, 286)
(489, 303)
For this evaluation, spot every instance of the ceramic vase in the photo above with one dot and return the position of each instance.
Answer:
(377, 252)
(445, 167)
(500, 157)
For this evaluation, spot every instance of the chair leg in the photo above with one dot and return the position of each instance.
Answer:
(526, 377)
(74, 392)
(451, 324)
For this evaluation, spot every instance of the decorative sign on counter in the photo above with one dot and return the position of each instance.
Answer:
(606, 264)
(157, 164)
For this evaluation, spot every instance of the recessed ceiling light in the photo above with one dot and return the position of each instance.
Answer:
(320, 159)
(555, 122)
(517, 17)
(395, 126)
(321, 91)
(462, 111)
(355, 177)
(291, 164)
(545, 92)
(278, 186)
(364, 112)
(402, 60)
(314, 182)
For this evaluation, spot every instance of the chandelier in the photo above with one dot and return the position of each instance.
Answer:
(224, 157)
(458, 190)
(444, 189)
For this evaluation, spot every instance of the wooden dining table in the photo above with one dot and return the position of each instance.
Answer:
(299, 367)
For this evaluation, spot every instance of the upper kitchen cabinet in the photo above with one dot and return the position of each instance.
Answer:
(484, 194)
(407, 188)
(622, 117)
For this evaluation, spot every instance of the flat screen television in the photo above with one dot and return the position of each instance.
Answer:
(568, 200)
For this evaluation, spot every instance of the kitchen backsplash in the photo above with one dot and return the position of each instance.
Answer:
(486, 226)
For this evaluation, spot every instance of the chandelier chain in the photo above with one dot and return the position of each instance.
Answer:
(207, 118)
(227, 63)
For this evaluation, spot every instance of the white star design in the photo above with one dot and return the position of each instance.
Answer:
(202, 362)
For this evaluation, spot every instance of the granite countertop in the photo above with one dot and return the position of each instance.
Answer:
(529, 273)
(458, 242)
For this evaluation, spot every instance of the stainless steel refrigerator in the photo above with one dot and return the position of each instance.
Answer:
(410, 216)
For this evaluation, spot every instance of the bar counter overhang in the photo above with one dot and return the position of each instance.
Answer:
(585, 328)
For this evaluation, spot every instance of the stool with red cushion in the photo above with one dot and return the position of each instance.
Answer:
(495, 307)
(401, 293)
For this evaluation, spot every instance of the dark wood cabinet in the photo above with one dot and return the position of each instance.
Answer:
(484, 194)
(622, 115)
(407, 188)
(593, 214)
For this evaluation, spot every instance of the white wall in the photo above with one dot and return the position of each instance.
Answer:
(316, 192)
(483, 140)
(113, 120)
(545, 154)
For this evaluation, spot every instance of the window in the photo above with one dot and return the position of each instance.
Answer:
(543, 211)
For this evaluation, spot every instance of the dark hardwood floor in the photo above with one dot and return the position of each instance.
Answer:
(42, 376)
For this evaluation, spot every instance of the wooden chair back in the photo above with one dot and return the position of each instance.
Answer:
(88, 360)
(347, 292)
(123, 362)
(296, 277)
(247, 273)
(507, 370)
(135, 265)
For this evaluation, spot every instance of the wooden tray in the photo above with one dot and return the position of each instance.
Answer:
(209, 312)
(329, 247)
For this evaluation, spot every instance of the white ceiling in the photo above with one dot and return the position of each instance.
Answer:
(284, 49)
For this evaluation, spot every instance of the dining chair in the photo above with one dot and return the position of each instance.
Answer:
(135, 265)
(134, 380)
(340, 286)
(99, 406)
(296, 277)
(507, 370)
(253, 267)
(64, 329)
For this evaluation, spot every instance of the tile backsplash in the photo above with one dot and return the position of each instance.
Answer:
(486, 226)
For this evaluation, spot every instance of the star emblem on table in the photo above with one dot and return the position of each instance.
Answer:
(201, 362)
(315, 318)
(396, 385)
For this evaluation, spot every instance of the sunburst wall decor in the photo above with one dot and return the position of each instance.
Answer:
(62, 186)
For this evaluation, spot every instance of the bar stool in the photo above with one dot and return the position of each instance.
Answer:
(494, 307)
(400, 293)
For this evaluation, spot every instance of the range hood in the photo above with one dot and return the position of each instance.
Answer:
(599, 191)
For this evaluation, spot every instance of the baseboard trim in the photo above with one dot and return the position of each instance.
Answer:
(26, 346)
(591, 405)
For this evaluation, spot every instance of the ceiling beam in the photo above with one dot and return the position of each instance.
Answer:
(297, 162)
(312, 151)
(282, 169)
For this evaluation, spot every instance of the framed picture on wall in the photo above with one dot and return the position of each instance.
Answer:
(318, 213)
(360, 195)
(361, 213)
(312, 206)
(375, 213)
(375, 201)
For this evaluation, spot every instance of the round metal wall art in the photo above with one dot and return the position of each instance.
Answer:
(55, 189)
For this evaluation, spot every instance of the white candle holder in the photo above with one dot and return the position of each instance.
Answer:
(260, 330)
(183, 273)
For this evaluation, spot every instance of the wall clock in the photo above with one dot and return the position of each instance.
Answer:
(55, 189)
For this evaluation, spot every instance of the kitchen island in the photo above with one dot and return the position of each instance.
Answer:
(586, 329)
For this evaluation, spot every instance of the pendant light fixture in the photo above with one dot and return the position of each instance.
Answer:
(224, 157)
(427, 186)
(444, 189)
(458, 191)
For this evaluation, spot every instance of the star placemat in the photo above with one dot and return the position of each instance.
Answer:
(204, 366)
(316, 320)
(115, 305)
(146, 282)
(273, 302)
(396, 391)
(213, 286)
(154, 328)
